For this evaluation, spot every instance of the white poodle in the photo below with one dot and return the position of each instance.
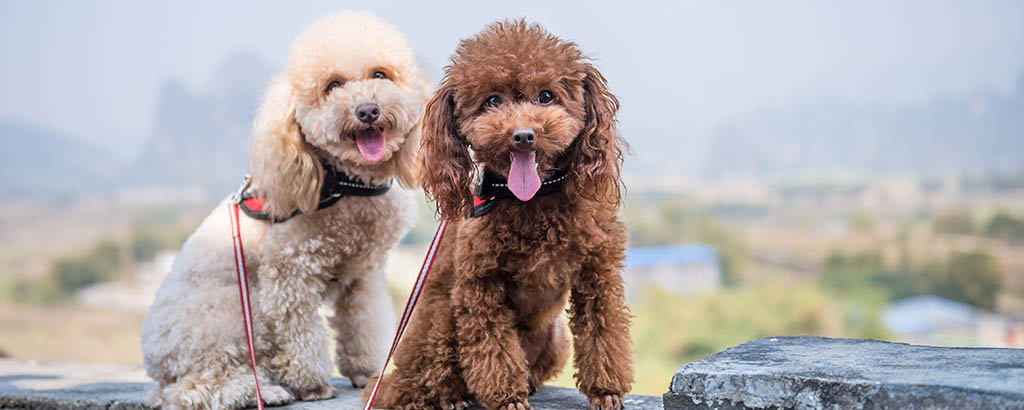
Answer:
(343, 118)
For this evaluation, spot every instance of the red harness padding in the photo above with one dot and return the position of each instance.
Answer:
(254, 203)
(243, 294)
(414, 296)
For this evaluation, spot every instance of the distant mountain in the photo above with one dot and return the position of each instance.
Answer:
(201, 138)
(42, 164)
(976, 132)
(198, 139)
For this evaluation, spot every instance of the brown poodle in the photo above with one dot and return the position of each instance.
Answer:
(528, 108)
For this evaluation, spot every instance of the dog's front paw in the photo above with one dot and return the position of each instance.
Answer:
(276, 396)
(519, 405)
(273, 395)
(321, 392)
(606, 402)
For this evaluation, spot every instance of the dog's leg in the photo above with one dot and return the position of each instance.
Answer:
(288, 299)
(426, 373)
(492, 358)
(364, 320)
(600, 323)
(547, 353)
(215, 390)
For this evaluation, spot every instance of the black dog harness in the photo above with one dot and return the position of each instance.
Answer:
(495, 187)
(336, 185)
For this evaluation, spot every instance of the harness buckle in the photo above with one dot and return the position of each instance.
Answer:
(237, 196)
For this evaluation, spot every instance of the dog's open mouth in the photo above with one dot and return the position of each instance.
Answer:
(523, 180)
(371, 143)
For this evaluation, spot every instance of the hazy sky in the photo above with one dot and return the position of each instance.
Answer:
(92, 69)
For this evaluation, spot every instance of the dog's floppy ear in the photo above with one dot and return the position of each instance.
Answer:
(598, 152)
(446, 166)
(284, 172)
(406, 163)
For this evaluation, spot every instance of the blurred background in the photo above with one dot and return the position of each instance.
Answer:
(797, 168)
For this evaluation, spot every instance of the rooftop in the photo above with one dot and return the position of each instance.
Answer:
(645, 257)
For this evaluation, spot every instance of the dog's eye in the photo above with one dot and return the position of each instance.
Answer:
(380, 75)
(545, 97)
(331, 86)
(493, 101)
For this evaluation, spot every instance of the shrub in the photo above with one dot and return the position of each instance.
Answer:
(957, 222)
(1004, 226)
(866, 271)
(101, 264)
(969, 277)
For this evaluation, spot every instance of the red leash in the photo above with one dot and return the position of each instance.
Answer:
(414, 296)
(243, 294)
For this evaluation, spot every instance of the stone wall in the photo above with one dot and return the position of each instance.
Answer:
(823, 373)
(768, 373)
(26, 384)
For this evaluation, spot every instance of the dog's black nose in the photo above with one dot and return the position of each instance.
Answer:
(368, 113)
(523, 138)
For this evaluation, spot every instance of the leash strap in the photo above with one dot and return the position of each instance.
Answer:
(414, 296)
(243, 294)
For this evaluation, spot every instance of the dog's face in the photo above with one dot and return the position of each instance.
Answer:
(352, 94)
(359, 91)
(529, 105)
(518, 96)
(519, 115)
(360, 114)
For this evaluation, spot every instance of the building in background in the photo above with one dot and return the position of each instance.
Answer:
(932, 320)
(676, 268)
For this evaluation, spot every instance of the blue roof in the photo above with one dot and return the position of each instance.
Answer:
(924, 313)
(671, 255)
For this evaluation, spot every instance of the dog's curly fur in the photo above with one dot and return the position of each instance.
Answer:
(488, 326)
(192, 339)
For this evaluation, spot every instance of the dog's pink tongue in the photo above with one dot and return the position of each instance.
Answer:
(523, 180)
(371, 144)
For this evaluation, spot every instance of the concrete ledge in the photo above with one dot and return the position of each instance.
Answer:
(823, 373)
(769, 373)
(26, 384)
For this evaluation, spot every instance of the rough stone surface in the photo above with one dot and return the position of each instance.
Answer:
(823, 373)
(60, 386)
